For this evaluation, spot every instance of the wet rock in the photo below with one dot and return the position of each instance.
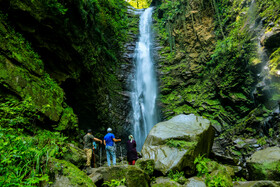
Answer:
(257, 184)
(195, 182)
(264, 164)
(219, 153)
(167, 182)
(174, 144)
(239, 143)
(251, 141)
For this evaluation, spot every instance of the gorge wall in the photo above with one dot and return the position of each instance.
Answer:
(61, 62)
(211, 63)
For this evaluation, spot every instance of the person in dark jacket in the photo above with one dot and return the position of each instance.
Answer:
(131, 150)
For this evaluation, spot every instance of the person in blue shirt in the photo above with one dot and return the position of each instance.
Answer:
(109, 140)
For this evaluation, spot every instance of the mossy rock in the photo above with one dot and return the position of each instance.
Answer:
(22, 73)
(265, 164)
(147, 165)
(134, 176)
(64, 173)
(164, 182)
(75, 155)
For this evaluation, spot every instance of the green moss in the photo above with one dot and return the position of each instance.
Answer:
(74, 174)
(266, 171)
(147, 166)
(238, 96)
(19, 49)
(68, 120)
(180, 144)
(269, 10)
(275, 62)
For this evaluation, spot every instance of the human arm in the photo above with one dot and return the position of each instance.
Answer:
(117, 140)
(96, 139)
(104, 142)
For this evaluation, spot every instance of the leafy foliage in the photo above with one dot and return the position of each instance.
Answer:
(201, 165)
(176, 175)
(24, 159)
(217, 180)
(262, 141)
(114, 182)
(18, 114)
(55, 4)
(140, 3)
(270, 9)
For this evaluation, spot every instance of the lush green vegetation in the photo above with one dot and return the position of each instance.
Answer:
(24, 159)
(179, 144)
(140, 3)
(215, 79)
(113, 183)
(204, 168)
(176, 175)
(35, 116)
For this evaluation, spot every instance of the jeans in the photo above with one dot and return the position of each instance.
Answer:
(110, 152)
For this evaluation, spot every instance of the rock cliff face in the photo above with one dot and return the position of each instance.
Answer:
(63, 56)
(212, 63)
(186, 32)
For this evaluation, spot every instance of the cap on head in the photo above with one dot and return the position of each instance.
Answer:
(89, 131)
(109, 130)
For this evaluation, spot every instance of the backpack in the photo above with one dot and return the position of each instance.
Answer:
(95, 145)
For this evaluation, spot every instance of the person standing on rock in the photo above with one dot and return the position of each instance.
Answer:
(131, 150)
(88, 145)
(109, 140)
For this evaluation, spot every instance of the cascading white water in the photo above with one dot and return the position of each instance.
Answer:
(144, 84)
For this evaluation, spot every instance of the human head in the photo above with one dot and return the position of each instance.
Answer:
(130, 137)
(89, 131)
(109, 130)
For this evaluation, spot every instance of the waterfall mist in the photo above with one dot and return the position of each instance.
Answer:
(144, 84)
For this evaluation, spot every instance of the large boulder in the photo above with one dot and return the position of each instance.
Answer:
(63, 173)
(134, 176)
(174, 144)
(265, 164)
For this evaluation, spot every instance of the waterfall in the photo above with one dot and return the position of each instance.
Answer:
(144, 84)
